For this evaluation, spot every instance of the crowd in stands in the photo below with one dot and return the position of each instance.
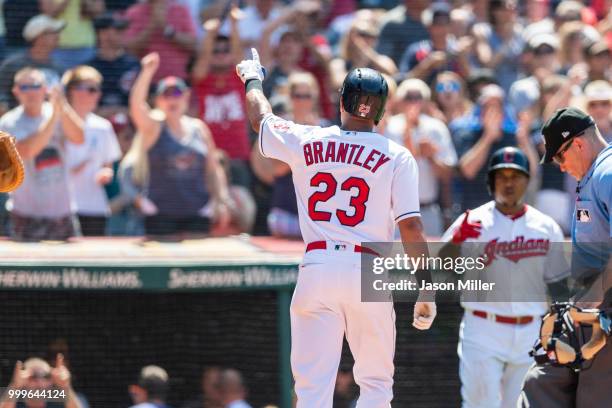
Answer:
(131, 120)
(221, 387)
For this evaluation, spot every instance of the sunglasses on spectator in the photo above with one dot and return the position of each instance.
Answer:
(440, 21)
(92, 89)
(301, 96)
(172, 92)
(544, 50)
(413, 97)
(221, 50)
(29, 87)
(448, 87)
(366, 34)
(569, 17)
(601, 104)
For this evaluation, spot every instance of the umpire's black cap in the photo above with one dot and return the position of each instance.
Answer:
(563, 125)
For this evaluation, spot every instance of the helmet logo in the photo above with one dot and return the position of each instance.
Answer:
(364, 109)
(508, 157)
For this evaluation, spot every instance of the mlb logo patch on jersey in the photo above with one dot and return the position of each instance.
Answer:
(583, 215)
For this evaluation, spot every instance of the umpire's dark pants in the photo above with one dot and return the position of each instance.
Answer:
(560, 387)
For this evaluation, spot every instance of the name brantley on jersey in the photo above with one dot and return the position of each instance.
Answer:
(349, 153)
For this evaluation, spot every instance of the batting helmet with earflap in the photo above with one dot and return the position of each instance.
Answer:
(506, 158)
(364, 94)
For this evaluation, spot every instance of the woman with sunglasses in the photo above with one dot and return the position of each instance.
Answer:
(304, 97)
(186, 186)
(450, 96)
(90, 163)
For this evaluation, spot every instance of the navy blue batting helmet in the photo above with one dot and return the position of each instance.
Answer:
(364, 94)
(506, 158)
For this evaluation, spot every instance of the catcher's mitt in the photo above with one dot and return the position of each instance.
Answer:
(11, 166)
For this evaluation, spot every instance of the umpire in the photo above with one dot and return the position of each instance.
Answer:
(576, 145)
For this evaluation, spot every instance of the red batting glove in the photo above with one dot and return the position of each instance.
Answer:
(467, 230)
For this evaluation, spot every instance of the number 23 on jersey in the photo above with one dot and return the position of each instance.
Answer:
(357, 202)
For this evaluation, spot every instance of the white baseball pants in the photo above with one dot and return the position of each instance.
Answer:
(493, 360)
(326, 306)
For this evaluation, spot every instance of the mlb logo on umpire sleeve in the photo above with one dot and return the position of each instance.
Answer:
(583, 215)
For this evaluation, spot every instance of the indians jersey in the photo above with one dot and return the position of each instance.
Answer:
(350, 186)
(521, 255)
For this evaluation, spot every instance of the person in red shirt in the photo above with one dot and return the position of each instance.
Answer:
(220, 95)
(165, 27)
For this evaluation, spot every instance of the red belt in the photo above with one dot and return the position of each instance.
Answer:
(323, 245)
(503, 319)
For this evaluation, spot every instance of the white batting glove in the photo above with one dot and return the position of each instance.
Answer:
(424, 315)
(251, 68)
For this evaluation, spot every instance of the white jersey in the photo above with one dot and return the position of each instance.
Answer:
(523, 254)
(350, 186)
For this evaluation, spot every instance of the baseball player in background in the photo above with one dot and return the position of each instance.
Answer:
(574, 142)
(517, 242)
(352, 185)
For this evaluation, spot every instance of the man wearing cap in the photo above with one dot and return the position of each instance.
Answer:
(425, 59)
(598, 101)
(151, 388)
(541, 51)
(41, 207)
(574, 142)
(42, 32)
(599, 59)
(118, 68)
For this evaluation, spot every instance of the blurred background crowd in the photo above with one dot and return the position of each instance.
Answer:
(217, 386)
(131, 120)
(220, 387)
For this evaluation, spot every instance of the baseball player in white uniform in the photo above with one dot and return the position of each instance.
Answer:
(520, 246)
(352, 186)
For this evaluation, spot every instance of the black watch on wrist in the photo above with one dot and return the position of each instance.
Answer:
(169, 32)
